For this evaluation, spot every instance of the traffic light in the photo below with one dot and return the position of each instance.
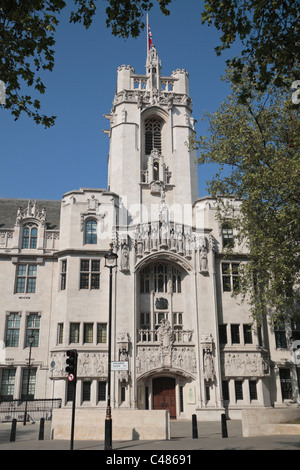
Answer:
(71, 362)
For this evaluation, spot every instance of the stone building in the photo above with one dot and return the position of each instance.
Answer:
(185, 343)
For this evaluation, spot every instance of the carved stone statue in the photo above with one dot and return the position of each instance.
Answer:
(203, 260)
(125, 258)
(165, 334)
(208, 365)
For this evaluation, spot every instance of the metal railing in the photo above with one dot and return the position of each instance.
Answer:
(36, 409)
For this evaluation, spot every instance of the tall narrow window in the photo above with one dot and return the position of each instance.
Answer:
(223, 333)
(235, 334)
(28, 384)
(176, 281)
(152, 135)
(88, 333)
(252, 390)
(295, 324)
(238, 385)
(33, 329)
(29, 236)
(101, 391)
(178, 326)
(7, 384)
(63, 274)
(286, 384)
(74, 332)
(227, 235)
(123, 393)
(181, 400)
(101, 332)
(12, 330)
(91, 232)
(145, 280)
(225, 390)
(60, 333)
(247, 334)
(226, 277)
(280, 336)
(160, 278)
(86, 391)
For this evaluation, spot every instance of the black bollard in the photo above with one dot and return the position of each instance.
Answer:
(13, 430)
(195, 427)
(224, 425)
(41, 432)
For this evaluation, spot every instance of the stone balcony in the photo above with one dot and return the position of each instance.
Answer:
(153, 337)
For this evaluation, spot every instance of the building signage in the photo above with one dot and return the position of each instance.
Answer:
(120, 365)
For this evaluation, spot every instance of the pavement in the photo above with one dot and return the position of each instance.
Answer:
(181, 441)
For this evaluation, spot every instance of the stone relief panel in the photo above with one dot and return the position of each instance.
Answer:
(244, 364)
(5, 237)
(152, 358)
(90, 364)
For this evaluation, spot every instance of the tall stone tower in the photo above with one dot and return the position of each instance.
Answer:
(150, 124)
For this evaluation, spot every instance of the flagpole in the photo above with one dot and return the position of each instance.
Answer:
(147, 35)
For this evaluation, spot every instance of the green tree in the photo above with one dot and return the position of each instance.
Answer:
(257, 148)
(27, 30)
(269, 31)
(27, 40)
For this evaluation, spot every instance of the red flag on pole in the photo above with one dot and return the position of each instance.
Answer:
(149, 39)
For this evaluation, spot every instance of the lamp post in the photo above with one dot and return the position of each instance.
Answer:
(30, 340)
(110, 262)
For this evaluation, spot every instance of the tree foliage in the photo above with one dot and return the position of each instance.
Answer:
(269, 31)
(257, 148)
(27, 34)
(27, 30)
(126, 17)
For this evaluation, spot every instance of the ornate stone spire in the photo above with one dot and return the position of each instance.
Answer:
(153, 67)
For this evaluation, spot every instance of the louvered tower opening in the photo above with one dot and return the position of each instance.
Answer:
(152, 135)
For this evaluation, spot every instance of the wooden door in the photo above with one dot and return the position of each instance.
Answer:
(164, 395)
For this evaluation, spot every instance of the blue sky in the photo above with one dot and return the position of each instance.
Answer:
(39, 163)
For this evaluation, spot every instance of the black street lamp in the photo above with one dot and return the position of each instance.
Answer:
(110, 262)
(30, 340)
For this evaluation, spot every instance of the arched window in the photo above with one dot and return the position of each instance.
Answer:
(29, 236)
(91, 232)
(152, 135)
(176, 281)
(160, 278)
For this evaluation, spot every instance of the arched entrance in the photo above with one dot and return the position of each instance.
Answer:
(164, 395)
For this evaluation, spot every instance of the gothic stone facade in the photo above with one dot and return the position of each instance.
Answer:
(179, 339)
